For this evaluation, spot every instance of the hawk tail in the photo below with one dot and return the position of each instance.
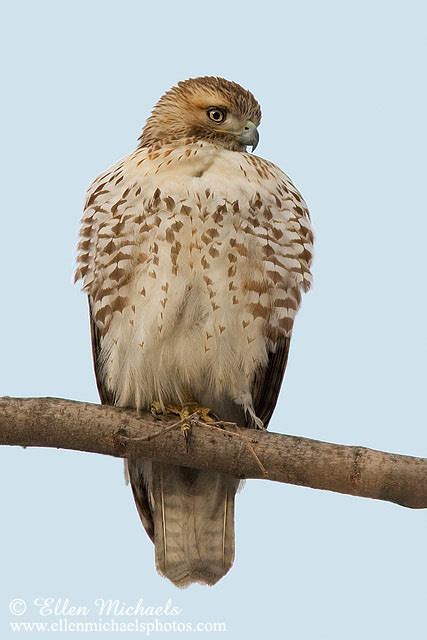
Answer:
(193, 521)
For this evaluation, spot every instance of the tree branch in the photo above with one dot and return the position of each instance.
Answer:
(240, 452)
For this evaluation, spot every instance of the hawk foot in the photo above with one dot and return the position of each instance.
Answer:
(184, 411)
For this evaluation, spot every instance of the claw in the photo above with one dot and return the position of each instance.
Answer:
(204, 413)
(156, 408)
(184, 412)
(186, 432)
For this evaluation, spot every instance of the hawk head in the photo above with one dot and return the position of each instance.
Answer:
(206, 108)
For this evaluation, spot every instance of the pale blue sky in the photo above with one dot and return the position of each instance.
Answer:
(343, 91)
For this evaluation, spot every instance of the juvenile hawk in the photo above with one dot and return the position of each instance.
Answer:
(194, 254)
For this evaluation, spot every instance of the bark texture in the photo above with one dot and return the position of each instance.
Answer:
(243, 453)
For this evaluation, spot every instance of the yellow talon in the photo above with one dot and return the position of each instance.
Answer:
(204, 413)
(184, 412)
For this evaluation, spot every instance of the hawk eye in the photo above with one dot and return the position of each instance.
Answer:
(216, 114)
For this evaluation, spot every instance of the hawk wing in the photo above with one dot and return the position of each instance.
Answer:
(139, 490)
(95, 255)
(105, 395)
(267, 382)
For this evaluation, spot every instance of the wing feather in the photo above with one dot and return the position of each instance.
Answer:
(267, 382)
(139, 490)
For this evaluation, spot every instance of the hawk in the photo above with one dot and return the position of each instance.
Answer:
(194, 254)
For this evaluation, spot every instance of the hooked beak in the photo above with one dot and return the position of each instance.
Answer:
(249, 136)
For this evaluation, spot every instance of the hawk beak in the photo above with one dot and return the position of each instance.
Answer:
(249, 136)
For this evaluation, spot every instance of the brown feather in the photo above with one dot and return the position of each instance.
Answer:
(181, 112)
(106, 397)
(267, 383)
